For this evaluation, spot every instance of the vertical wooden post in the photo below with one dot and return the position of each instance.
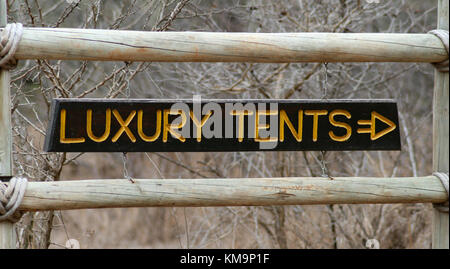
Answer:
(7, 232)
(440, 134)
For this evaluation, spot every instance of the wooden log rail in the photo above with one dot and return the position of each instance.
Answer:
(119, 45)
(103, 193)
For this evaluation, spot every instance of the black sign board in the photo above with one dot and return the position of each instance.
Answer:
(145, 125)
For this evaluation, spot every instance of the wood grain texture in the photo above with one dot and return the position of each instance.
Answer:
(7, 231)
(5, 124)
(119, 45)
(7, 235)
(104, 193)
(441, 134)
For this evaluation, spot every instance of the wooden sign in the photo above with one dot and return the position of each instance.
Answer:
(143, 125)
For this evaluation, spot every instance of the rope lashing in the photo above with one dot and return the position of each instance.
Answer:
(443, 36)
(10, 38)
(443, 177)
(11, 195)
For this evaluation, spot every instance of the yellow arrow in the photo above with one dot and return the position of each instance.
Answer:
(372, 130)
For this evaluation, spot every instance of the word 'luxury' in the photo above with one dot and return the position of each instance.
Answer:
(209, 125)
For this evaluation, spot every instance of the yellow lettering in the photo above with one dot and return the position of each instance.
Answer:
(241, 115)
(284, 119)
(170, 128)
(372, 130)
(62, 131)
(158, 127)
(340, 124)
(200, 124)
(265, 126)
(89, 126)
(124, 126)
(315, 114)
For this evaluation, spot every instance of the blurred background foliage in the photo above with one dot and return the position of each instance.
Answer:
(35, 83)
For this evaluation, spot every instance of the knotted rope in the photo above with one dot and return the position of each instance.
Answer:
(443, 36)
(443, 177)
(10, 38)
(11, 196)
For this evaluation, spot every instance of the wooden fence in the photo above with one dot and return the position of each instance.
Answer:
(106, 45)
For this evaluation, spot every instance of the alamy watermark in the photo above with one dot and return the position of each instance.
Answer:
(209, 119)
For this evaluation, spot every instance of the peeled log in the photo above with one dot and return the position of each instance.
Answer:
(104, 193)
(119, 45)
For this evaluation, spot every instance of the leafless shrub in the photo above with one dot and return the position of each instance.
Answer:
(35, 83)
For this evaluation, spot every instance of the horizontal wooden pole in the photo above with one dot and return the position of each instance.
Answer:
(118, 45)
(104, 193)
